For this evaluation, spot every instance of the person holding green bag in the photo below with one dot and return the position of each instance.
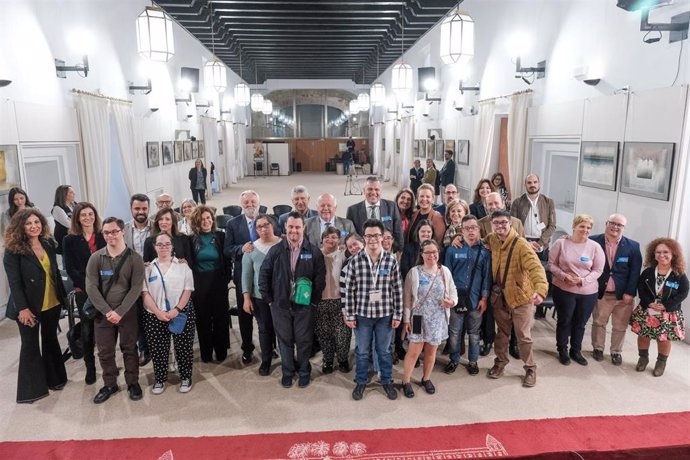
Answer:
(291, 280)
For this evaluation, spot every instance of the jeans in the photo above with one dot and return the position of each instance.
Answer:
(382, 329)
(472, 320)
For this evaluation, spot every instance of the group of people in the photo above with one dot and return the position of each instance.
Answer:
(401, 276)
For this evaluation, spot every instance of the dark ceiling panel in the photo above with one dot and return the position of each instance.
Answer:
(308, 38)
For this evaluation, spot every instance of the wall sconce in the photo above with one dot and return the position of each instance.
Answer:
(61, 69)
(4, 83)
(534, 72)
(475, 88)
(145, 89)
(187, 100)
(587, 76)
(431, 99)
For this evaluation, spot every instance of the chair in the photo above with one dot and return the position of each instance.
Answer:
(275, 167)
(263, 209)
(281, 209)
(232, 210)
(222, 221)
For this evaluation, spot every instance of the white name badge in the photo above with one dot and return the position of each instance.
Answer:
(375, 295)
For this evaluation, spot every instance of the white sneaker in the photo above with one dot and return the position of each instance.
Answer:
(186, 386)
(158, 388)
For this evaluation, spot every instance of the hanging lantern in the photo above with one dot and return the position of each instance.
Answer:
(268, 107)
(402, 77)
(354, 106)
(377, 94)
(257, 102)
(242, 98)
(215, 75)
(155, 34)
(363, 102)
(457, 38)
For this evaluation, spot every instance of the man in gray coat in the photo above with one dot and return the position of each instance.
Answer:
(315, 226)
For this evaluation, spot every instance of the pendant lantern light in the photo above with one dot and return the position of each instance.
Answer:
(268, 107)
(242, 93)
(363, 102)
(155, 34)
(402, 78)
(457, 37)
(215, 76)
(354, 107)
(257, 102)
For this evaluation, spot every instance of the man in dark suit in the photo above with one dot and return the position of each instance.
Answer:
(300, 203)
(447, 172)
(315, 226)
(374, 207)
(617, 288)
(239, 235)
(416, 176)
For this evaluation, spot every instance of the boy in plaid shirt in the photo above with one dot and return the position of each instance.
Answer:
(372, 301)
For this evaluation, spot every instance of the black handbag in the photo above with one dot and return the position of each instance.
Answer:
(89, 309)
(464, 300)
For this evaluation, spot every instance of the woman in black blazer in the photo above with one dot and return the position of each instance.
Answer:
(197, 182)
(37, 296)
(662, 288)
(84, 239)
(165, 221)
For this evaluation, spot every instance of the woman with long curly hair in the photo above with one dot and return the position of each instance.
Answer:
(37, 296)
(478, 206)
(662, 288)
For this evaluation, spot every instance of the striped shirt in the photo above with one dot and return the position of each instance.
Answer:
(358, 280)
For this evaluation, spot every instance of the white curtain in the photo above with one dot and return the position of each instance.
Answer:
(241, 151)
(130, 150)
(377, 152)
(389, 151)
(517, 137)
(95, 132)
(229, 152)
(406, 139)
(485, 140)
(209, 129)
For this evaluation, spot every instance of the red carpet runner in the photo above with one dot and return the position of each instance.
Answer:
(644, 436)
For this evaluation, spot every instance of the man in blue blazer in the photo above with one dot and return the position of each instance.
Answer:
(374, 207)
(617, 288)
(239, 235)
(300, 203)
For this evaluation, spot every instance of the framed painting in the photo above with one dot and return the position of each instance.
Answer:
(220, 147)
(202, 149)
(438, 151)
(167, 150)
(153, 158)
(179, 149)
(187, 150)
(430, 149)
(449, 144)
(422, 148)
(647, 169)
(9, 168)
(463, 151)
(195, 149)
(599, 164)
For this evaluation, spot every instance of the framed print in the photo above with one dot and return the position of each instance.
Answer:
(415, 149)
(153, 158)
(178, 148)
(430, 149)
(9, 168)
(422, 148)
(599, 164)
(195, 149)
(220, 147)
(449, 144)
(438, 152)
(167, 149)
(202, 149)
(187, 150)
(397, 146)
(463, 151)
(646, 169)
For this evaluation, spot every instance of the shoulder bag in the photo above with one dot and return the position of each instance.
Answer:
(177, 324)
(89, 309)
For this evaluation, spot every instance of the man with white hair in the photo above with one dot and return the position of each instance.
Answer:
(300, 203)
(326, 206)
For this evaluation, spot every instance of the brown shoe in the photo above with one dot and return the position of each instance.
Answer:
(496, 372)
(659, 368)
(642, 363)
(530, 378)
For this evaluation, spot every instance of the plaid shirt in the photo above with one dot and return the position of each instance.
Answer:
(357, 281)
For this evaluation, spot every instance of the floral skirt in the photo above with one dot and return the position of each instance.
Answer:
(664, 327)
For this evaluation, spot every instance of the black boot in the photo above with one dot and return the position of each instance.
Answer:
(643, 361)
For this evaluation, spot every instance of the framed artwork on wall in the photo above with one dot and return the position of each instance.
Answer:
(167, 148)
(9, 168)
(463, 151)
(187, 150)
(195, 149)
(599, 164)
(646, 169)
(438, 152)
(179, 148)
(415, 148)
(449, 145)
(202, 149)
(153, 158)
(430, 149)
(220, 147)
(422, 148)
(397, 146)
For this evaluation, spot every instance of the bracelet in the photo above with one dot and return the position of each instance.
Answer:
(178, 308)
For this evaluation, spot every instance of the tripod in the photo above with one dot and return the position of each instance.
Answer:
(352, 186)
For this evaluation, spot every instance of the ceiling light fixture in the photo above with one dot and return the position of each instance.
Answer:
(242, 93)
(402, 73)
(215, 76)
(354, 106)
(155, 34)
(377, 92)
(457, 37)
(363, 102)
(268, 107)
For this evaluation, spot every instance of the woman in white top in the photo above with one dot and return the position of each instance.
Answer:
(429, 294)
(166, 293)
(63, 206)
(187, 209)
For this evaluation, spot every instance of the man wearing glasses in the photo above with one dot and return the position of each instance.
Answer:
(470, 266)
(118, 314)
(450, 192)
(519, 283)
(373, 306)
(375, 207)
(617, 288)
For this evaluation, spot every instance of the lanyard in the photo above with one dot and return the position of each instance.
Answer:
(374, 268)
(660, 286)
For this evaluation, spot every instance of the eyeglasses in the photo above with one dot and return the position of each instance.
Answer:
(111, 233)
(164, 203)
(388, 238)
(500, 223)
(374, 236)
(164, 245)
(615, 224)
(471, 228)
